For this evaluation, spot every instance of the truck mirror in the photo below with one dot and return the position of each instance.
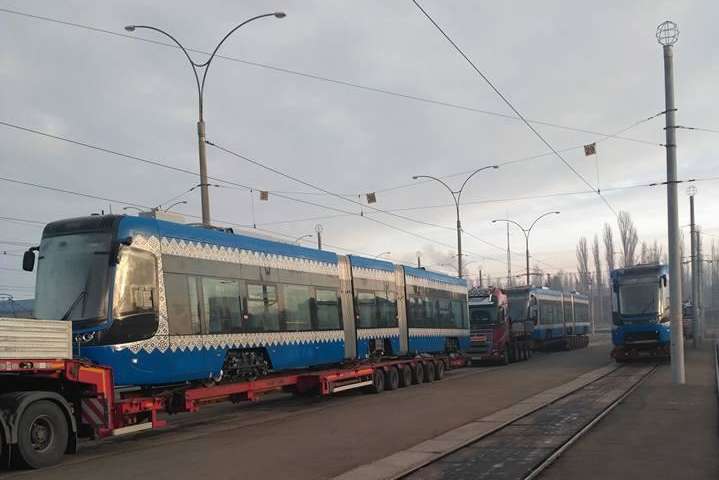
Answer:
(28, 259)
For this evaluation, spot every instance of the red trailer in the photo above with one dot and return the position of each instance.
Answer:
(47, 405)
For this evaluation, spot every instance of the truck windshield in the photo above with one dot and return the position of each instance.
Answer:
(481, 316)
(72, 277)
(638, 298)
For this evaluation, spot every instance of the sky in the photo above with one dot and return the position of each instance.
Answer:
(394, 101)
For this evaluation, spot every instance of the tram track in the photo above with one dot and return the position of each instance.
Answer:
(524, 447)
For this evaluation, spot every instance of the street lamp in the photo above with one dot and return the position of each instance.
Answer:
(526, 232)
(383, 253)
(299, 239)
(133, 208)
(181, 202)
(457, 195)
(204, 194)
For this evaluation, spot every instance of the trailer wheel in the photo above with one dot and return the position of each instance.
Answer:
(391, 379)
(42, 435)
(377, 381)
(418, 373)
(505, 356)
(405, 379)
(439, 370)
(429, 372)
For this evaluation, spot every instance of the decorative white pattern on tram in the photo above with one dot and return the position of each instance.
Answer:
(366, 333)
(373, 274)
(161, 340)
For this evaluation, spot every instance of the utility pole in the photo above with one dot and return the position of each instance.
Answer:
(700, 302)
(318, 229)
(480, 278)
(692, 190)
(509, 261)
(667, 35)
(419, 259)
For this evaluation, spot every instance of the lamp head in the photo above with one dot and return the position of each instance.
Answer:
(691, 190)
(280, 14)
(667, 33)
(130, 28)
(414, 177)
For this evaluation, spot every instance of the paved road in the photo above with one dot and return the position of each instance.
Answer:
(318, 438)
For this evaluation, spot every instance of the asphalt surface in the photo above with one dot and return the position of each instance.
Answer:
(660, 431)
(317, 438)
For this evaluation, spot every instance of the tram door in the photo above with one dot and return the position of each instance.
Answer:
(348, 313)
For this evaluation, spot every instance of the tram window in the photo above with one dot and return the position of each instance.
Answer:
(443, 314)
(178, 308)
(428, 319)
(387, 309)
(545, 312)
(416, 311)
(328, 311)
(568, 312)
(297, 307)
(221, 300)
(457, 314)
(195, 306)
(367, 306)
(262, 308)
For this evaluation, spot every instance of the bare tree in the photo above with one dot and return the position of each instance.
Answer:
(608, 238)
(629, 238)
(583, 264)
(643, 253)
(655, 253)
(598, 279)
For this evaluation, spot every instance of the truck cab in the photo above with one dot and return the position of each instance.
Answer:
(491, 333)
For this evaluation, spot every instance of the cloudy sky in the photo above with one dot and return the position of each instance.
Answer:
(589, 69)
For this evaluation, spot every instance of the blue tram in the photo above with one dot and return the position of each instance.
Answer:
(558, 319)
(164, 303)
(640, 312)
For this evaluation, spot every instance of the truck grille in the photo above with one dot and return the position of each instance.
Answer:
(630, 337)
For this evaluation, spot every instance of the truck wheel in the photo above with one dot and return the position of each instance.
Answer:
(505, 356)
(439, 370)
(392, 379)
(429, 372)
(42, 435)
(418, 373)
(378, 381)
(405, 379)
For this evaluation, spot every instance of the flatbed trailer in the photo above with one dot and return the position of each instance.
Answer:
(48, 405)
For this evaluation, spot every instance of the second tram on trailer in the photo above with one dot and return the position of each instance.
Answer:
(165, 303)
(559, 319)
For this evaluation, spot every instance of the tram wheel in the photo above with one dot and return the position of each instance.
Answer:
(392, 379)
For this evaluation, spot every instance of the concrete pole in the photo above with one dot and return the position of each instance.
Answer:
(204, 193)
(695, 273)
(459, 242)
(675, 261)
(509, 261)
(319, 240)
(700, 302)
(526, 238)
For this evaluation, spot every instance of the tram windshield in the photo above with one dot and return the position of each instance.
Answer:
(72, 277)
(639, 298)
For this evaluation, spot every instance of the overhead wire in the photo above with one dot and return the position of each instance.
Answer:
(312, 76)
(512, 107)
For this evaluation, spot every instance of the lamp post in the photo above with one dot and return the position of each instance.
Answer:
(181, 202)
(694, 259)
(205, 66)
(456, 196)
(299, 239)
(667, 35)
(318, 230)
(526, 232)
